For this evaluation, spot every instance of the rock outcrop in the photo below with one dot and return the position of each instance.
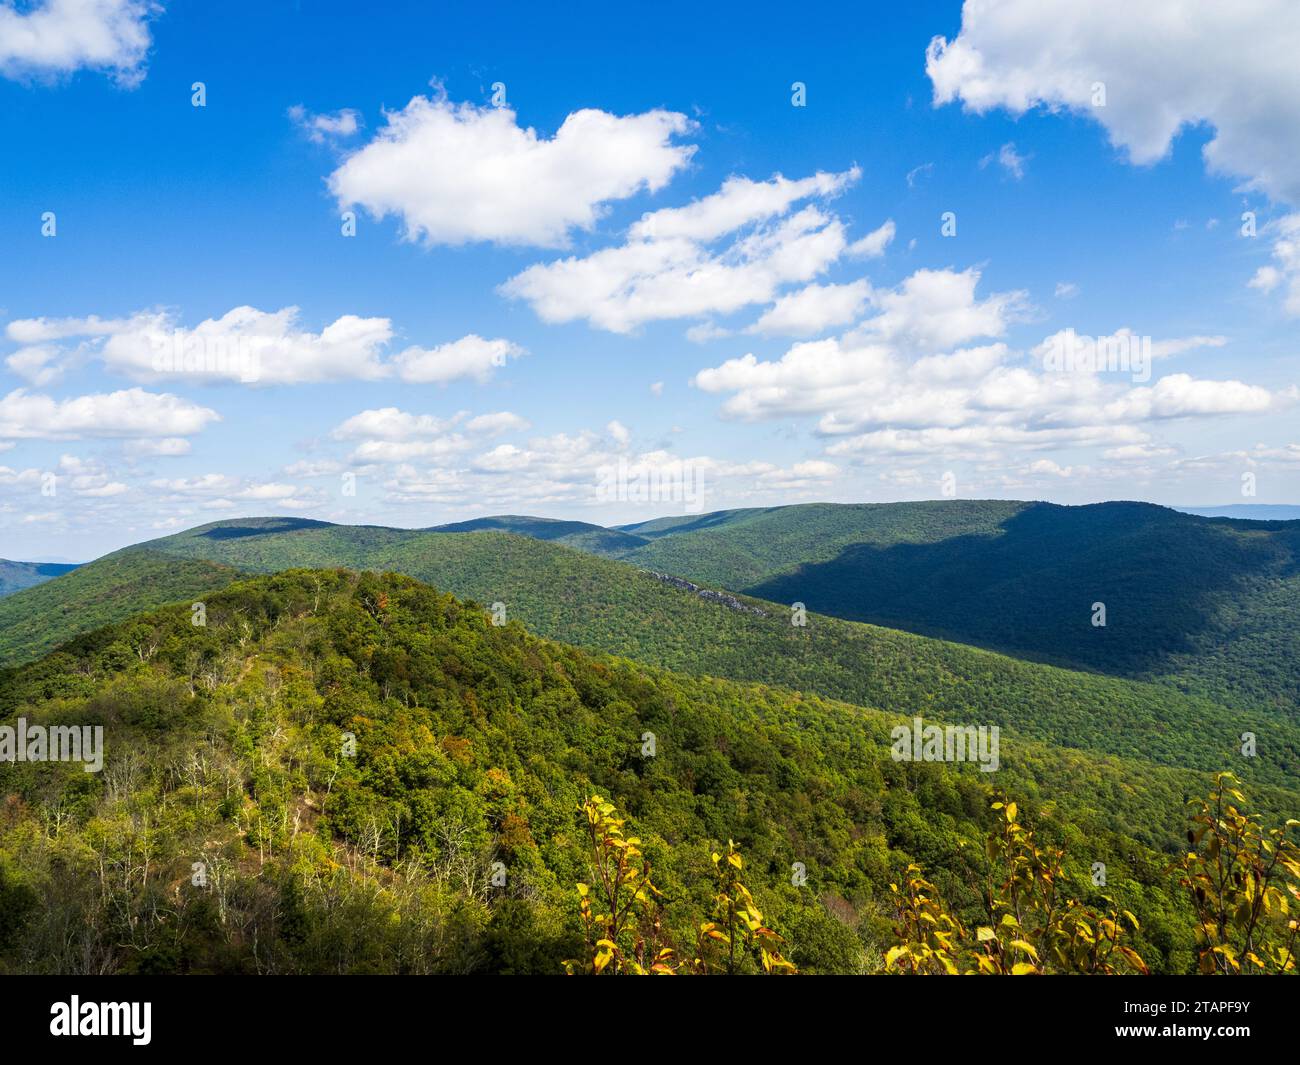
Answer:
(729, 601)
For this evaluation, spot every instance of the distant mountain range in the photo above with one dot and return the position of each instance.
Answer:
(1206, 605)
(15, 576)
(1251, 511)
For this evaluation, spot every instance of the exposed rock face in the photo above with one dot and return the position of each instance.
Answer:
(729, 601)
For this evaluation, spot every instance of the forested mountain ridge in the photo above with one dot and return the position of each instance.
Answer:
(612, 607)
(1207, 605)
(232, 831)
(580, 534)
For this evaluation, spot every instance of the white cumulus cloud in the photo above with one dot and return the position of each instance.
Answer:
(469, 357)
(814, 309)
(128, 413)
(324, 127)
(247, 345)
(459, 173)
(740, 247)
(58, 37)
(1163, 65)
(927, 375)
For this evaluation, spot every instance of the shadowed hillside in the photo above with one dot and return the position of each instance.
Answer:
(1210, 605)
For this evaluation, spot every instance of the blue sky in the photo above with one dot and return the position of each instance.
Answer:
(505, 334)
